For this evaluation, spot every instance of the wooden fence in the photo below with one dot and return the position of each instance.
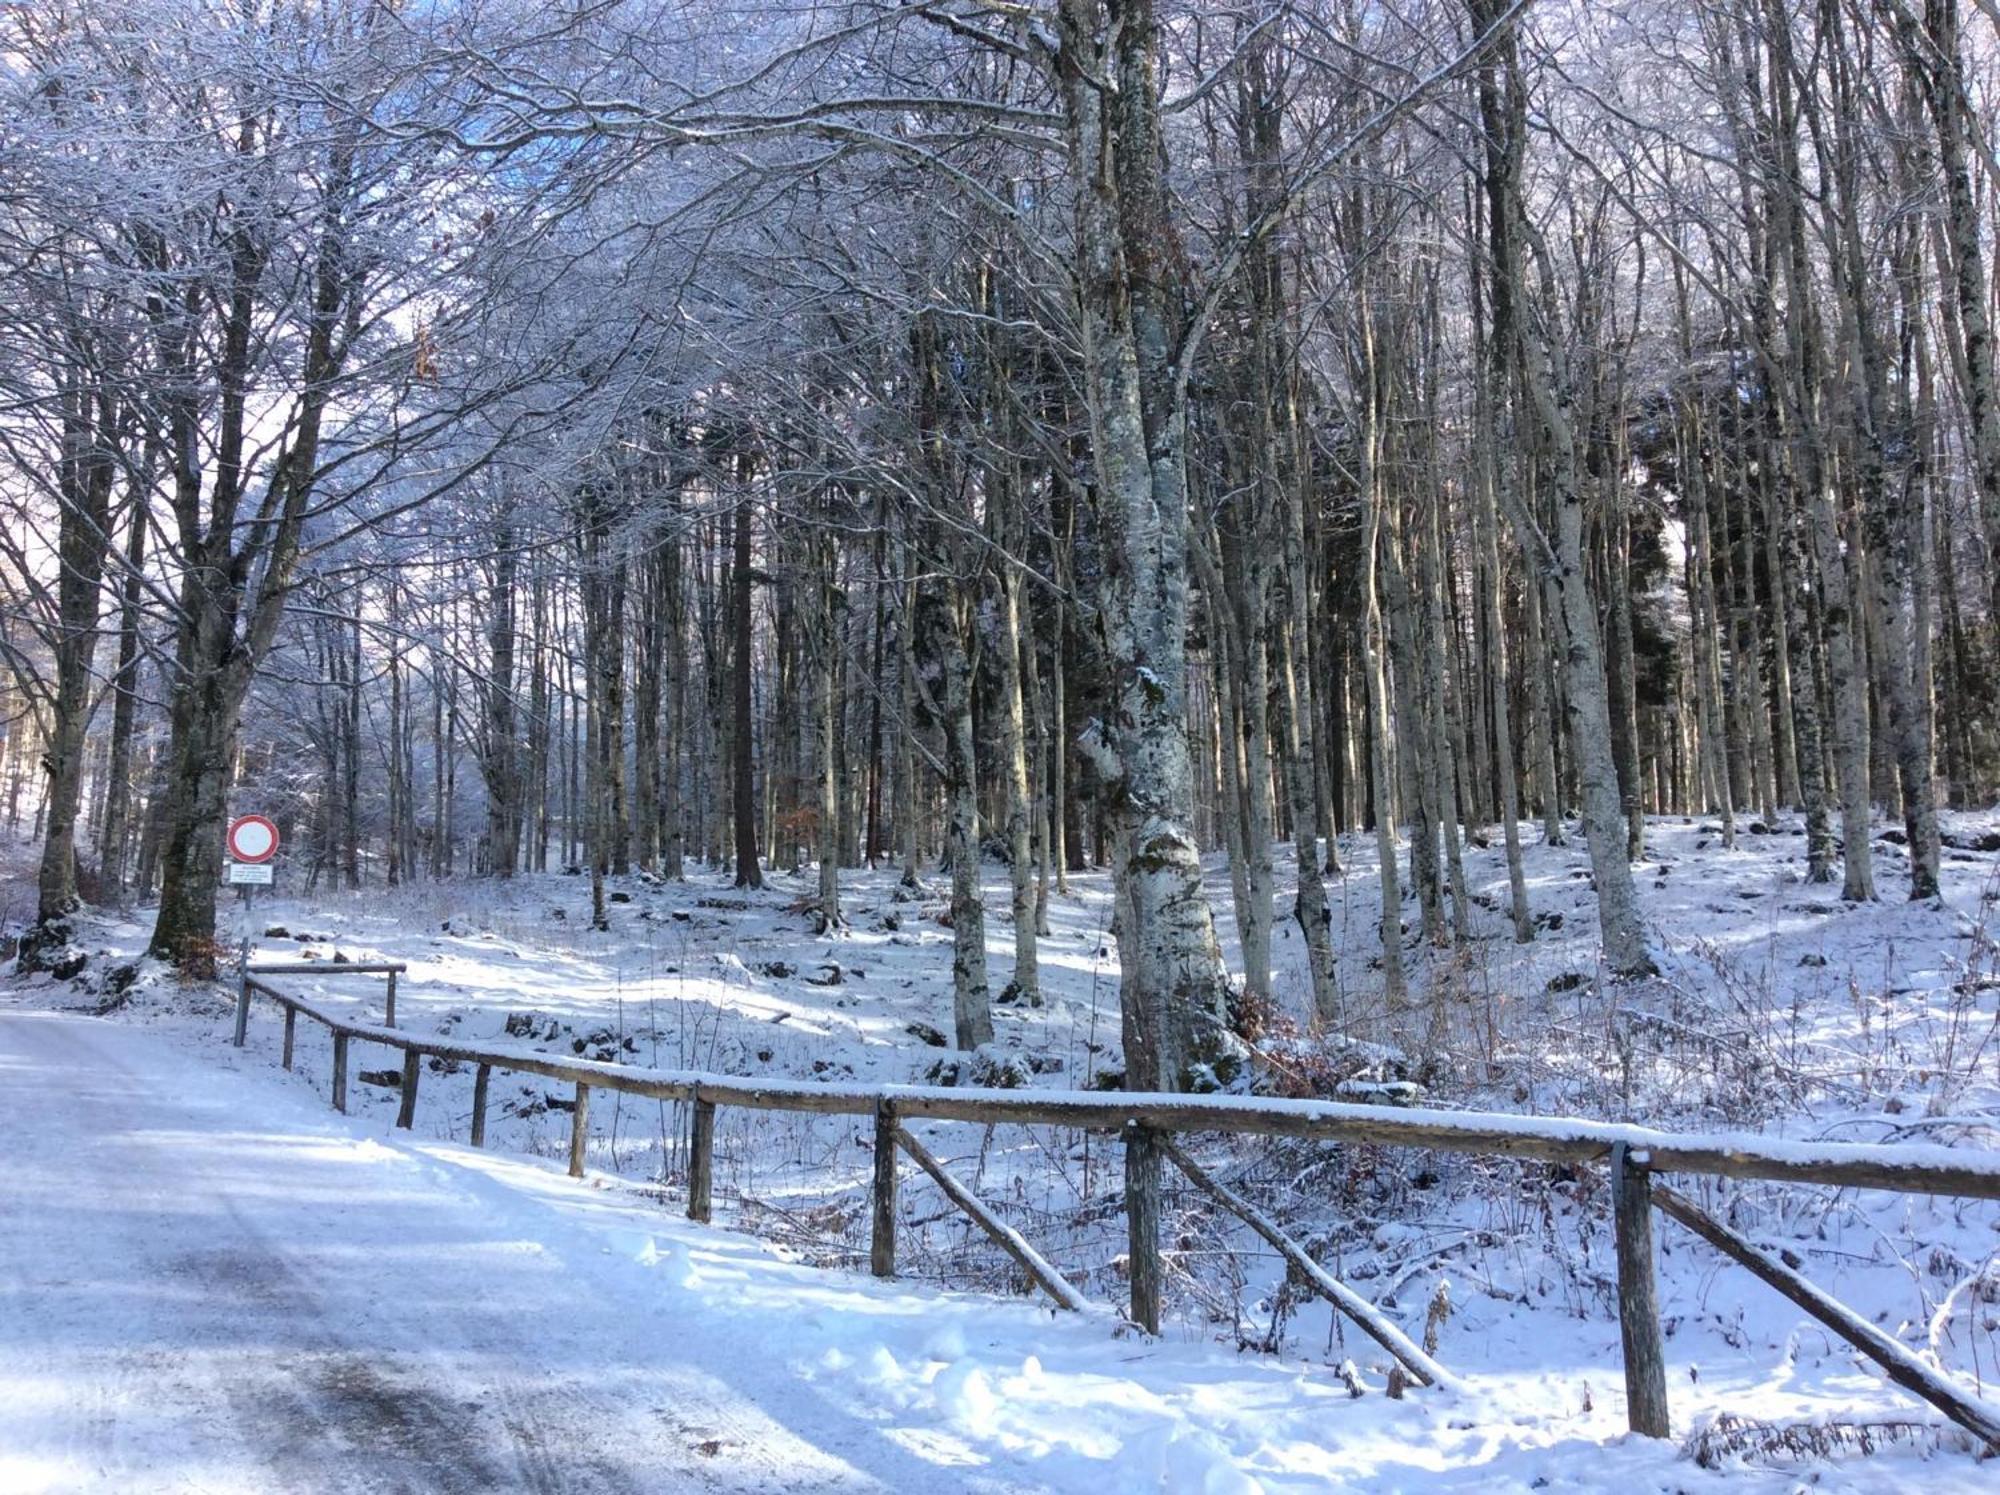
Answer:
(1147, 1124)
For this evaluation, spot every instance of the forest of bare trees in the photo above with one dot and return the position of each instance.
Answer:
(496, 438)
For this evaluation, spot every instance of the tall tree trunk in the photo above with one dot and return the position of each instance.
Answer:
(826, 717)
(1544, 381)
(1494, 369)
(1026, 984)
(502, 756)
(749, 874)
(85, 481)
(115, 833)
(1374, 651)
(1174, 989)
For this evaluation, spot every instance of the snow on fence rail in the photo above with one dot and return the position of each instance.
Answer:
(1147, 1120)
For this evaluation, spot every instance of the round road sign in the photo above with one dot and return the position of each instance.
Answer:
(252, 838)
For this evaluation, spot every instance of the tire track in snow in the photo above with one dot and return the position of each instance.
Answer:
(212, 1288)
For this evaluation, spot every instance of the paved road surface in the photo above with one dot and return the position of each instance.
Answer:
(207, 1283)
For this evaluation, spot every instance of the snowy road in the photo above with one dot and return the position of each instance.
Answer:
(211, 1286)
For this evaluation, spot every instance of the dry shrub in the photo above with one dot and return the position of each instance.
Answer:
(1730, 1437)
(201, 960)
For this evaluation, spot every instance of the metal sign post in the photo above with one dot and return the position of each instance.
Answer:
(252, 842)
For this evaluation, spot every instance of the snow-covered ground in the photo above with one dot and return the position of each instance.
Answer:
(1781, 1009)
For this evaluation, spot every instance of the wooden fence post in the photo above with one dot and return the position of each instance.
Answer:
(340, 1072)
(882, 1234)
(242, 1009)
(579, 1129)
(1142, 1214)
(389, 1006)
(291, 1032)
(1638, 1294)
(701, 1159)
(480, 1080)
(406, 1114)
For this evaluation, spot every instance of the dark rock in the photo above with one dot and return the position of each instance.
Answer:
(1567, 981)
(1983, 841)
(277, 932)
(532, 1025)
(778, 970)
(928, 1034)
(386, 1079)
(46, 946)
(1812, 959)
(1000, 1071)
(1012, 995)
(618, 897)
(69, 967)
(1216, 1060)
(829, 975)
(984, 1070)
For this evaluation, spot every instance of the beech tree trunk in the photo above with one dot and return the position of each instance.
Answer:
(1175, 992)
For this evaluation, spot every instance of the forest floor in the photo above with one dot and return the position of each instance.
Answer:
(1780, 1010)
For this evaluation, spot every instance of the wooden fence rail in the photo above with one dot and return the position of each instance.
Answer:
(1147, 1122)
(389, 968)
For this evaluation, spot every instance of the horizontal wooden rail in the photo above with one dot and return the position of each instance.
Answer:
(1147, 1121)
(1909, 1167)
(330, 968)
(390, 968)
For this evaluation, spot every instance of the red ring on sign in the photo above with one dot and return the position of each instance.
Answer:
(245, 822)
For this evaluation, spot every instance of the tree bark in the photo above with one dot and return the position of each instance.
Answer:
(749, 874)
